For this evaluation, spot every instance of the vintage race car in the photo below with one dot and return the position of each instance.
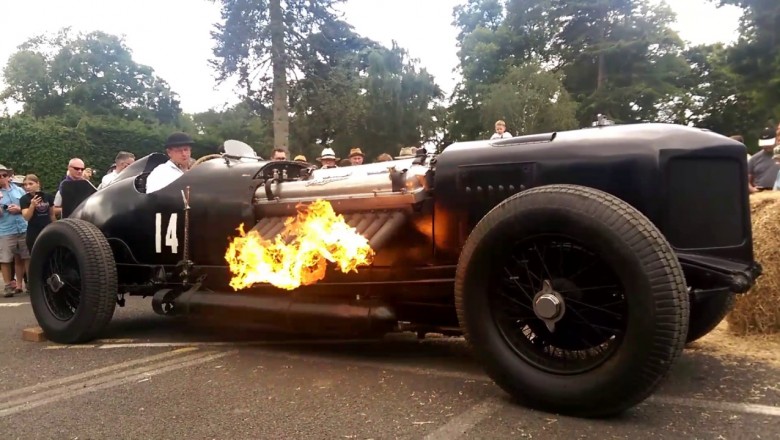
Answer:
(577, 264)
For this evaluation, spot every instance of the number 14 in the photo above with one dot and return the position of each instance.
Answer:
(170, 233)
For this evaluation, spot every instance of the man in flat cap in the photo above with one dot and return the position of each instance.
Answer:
(179, 149)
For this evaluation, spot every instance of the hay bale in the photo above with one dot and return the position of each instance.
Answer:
(758, 310)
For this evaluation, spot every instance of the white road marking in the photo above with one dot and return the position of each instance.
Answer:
(13, 304)
(465, 421)
(101, 383)
(97, 372)
(746, 408)
(105, 346)
(735, 407)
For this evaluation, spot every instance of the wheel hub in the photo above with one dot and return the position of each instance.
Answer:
(55, 283)
(549, 305)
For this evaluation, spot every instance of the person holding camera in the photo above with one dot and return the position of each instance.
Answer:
(37, 208)
(13, 231)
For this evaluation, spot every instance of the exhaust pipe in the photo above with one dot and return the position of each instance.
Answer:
(289, 311)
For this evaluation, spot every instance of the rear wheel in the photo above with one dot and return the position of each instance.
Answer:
(573, 300)
(73, 281)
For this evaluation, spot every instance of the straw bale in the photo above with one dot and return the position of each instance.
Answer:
(757, 312)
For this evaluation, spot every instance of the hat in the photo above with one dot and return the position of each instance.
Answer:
(300, 158)
(356, 152)
(767, 138)
(178, 139)
(406, 152)
(327, 153)
(4, 168)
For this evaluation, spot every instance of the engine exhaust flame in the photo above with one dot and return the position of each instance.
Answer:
(298, 255)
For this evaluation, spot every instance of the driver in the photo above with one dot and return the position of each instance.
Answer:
(179, 148)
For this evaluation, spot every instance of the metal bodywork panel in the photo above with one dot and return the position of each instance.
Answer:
(692, 184)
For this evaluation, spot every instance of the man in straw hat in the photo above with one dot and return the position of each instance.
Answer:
(328, 158)
(407, 153)
(356, 156)
(179, 149)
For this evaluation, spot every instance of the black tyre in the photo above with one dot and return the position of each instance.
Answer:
(73, 281)
(707, 313)
(594, 264)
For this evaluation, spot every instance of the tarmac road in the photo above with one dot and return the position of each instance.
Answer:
(155, 377)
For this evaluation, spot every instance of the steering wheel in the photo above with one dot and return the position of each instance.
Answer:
(205, 158)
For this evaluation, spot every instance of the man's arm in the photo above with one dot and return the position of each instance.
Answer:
(52, 214)
(751, 165)
(57, 208)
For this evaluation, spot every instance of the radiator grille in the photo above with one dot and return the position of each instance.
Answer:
(706, 203)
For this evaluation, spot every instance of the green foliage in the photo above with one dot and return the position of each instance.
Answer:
(530, 100)
(755, 58)
(93, 73)
(44, 146)
(240, 123)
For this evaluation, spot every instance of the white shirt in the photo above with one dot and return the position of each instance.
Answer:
(504, 135)
(108, 178)
(162, 176)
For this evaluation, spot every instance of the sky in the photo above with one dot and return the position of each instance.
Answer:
(173, 36)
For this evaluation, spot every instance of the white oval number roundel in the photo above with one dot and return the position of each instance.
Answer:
(170, 233)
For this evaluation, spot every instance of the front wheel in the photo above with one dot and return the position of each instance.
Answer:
(573, 300)
(73, 281)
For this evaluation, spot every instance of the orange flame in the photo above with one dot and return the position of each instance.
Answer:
(299, 254)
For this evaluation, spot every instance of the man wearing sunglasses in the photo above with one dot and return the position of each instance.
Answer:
(13, 232)
(75, 172)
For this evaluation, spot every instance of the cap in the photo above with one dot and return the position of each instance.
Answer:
(178, 139)
(767, 137)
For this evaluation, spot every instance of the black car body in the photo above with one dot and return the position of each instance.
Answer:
(662, 209)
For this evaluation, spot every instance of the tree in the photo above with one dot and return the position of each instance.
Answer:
(327, 100)
(619, 57)
(92, 73)
(755, 58)
(256, 33)
(530, 100)
(713, 98)
(240, 122)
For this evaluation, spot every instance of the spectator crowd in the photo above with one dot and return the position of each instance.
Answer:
(25, 209)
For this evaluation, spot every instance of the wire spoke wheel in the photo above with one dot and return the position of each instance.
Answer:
(559, 305)
(62, 286)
